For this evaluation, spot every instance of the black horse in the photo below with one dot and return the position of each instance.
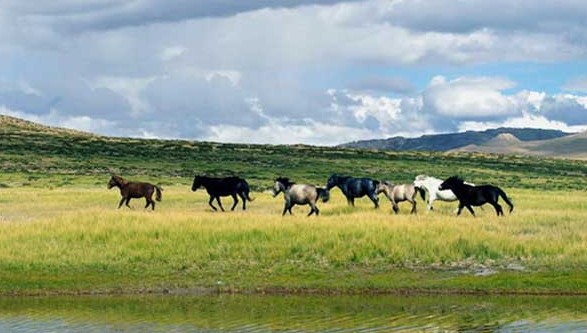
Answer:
(469, 195)
(222, 187)
(354, 188)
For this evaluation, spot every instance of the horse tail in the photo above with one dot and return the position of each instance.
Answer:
(421, 191)
(158, 190)
(323, 194)
(506, 199)
(246, 190)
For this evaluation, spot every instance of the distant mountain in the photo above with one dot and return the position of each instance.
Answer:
(570, 146)
(452, 141)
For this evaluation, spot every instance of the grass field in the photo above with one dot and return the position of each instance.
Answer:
(72, 239)
(60, 231)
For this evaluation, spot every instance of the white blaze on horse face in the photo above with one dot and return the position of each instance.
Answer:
(276, 189)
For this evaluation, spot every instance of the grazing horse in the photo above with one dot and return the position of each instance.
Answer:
(475, 195)
(222, 187)
(354, 188)
(299, 194)
(130, 190)
(399, 193)
(431, 184)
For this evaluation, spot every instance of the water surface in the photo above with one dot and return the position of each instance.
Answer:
(257, 313)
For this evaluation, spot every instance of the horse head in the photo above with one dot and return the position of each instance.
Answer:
(197, 182)
(333, 180)
(281, 184)
(451, 183)
(116, 181)
(384, 186)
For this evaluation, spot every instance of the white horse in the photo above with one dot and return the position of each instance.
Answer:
(431, 184)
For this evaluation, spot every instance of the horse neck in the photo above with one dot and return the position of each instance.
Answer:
(431, 183)
(460, 189)
(121, 183)
(281, 188)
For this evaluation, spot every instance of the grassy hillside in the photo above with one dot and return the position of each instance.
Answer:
(35, 155)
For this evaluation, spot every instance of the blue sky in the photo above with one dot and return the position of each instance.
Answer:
(307, 71)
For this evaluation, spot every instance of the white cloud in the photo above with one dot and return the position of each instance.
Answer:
(310, 132)
(469, 97)
(525, 121)
(185, 68)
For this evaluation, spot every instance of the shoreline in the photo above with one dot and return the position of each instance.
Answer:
(287, 291)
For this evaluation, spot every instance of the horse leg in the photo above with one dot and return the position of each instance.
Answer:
(244, 199)
(413, 206)
(219, 203)
(470, 210)
(313, 209)
(127, 201)
(235, 201)
(351, 201)
(498, 208)
(430, 201)
(460, 209)
(149, 200)
(395, 207)
(375, 199)
(210, 203)
(121, 202)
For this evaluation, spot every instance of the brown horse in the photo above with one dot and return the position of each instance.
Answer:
(130, 190)
(399, 193)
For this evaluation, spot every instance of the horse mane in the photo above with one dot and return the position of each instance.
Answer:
(285, 181)
(387, 182)
(421, 177)
(120, 180)
(456, 179)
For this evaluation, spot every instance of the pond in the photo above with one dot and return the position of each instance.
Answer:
(276, 313)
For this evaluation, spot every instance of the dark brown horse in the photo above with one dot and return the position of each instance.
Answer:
(130, 190)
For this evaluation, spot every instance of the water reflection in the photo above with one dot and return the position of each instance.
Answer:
(246, 313)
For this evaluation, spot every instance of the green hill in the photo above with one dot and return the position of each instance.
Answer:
(36, 155)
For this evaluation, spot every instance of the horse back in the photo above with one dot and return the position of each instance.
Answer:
(137, 189)
(226, 186)
(359, 187)
(302, 193)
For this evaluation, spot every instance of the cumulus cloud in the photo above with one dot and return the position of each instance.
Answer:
(287, 71)
(469, 97)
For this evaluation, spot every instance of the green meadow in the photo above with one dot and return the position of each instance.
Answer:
(60, 231)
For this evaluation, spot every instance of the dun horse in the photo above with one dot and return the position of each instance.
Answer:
(431, 184)
(475, 195)
(354, 188)
(222, 187)
(299, 194)
(130, 190)
(399, 193)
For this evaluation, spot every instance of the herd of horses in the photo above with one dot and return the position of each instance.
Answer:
(451, 189)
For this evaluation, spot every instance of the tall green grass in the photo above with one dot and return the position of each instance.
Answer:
(73, 239)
